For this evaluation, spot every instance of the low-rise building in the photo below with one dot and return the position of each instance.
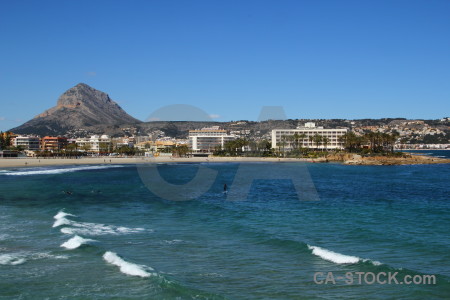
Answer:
(32, 143)
(95, 143)
(53, 143)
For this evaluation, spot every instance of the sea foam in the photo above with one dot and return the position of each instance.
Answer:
(76, 242)
(12, 259)
(19, 258)
(333, 256)
(93, 229)
(62, 221)
(61, 214)
(90, 229)
(126, 267)
(339, 258)
(56, 171)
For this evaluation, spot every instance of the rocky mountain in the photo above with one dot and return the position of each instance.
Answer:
(79, 108)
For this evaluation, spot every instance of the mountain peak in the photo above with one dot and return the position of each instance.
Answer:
(82, 85)
(81, 106)
(83, 94)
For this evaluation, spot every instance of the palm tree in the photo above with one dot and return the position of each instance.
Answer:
(318, 140)
(302, 137)
(311, 140)
(350, 141)
(283, 144)
(325, 141)
(291, 141)
(296, 137)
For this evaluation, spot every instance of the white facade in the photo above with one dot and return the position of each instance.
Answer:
(95, 143)
(280, 137)
(206, 139)
(32, 143)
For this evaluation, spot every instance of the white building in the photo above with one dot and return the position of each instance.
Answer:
(95, 143)
(206, 139)
(283, 136)
(32, 143)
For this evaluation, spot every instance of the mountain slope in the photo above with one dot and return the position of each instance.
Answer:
(80, 107)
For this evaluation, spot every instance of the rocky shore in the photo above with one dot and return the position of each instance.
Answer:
(406, 159)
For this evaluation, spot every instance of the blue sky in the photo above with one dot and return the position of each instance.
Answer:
(317, 59)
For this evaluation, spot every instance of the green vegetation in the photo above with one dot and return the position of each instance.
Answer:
(236, 147)
(180, 150)
(369, 143)
(5, 140)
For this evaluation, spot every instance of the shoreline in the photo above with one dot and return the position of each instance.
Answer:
(40, 162)
(347, 159)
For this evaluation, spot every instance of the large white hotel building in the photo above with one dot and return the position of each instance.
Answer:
(310, 129)
(206, 139)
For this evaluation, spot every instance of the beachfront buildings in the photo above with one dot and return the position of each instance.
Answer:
(95, 143)
(303, 136)
(205, 140)
(32, 143)
(53, 143)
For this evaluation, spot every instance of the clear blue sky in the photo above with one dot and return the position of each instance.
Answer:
(317, 59)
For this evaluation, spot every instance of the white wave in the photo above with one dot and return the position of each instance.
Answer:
(93, 229)
(21, 257)
(41, 171)
(62, 221)
(12, 259)
(76, 242)
(339, 258)
(47, 255)
(126, 267)
(373, 262)
(171, 242)
(61, 214)
(333, 256)
(4, 236)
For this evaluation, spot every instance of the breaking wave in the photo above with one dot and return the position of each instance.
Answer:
(41, 171)
(76, 242)
(338, 258)
(13, 259)
(127, 267)
(90, 229)
(93, 229)
(61, 214)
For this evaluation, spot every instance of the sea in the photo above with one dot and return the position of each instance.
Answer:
(105, 232)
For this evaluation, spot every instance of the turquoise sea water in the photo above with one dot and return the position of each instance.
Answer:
(113, 238)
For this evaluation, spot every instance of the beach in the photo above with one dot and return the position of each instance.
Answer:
(35, 162)
(346, 159)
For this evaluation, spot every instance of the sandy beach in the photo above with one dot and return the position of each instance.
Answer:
(35, 162)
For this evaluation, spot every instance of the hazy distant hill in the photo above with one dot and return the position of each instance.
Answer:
(81, 107)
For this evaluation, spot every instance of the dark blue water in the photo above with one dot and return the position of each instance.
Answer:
(437, 153)
(121, 241)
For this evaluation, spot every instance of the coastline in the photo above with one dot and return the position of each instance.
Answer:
(35, 162)
(348, 159)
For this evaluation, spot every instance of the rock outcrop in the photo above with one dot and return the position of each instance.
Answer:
(380, 160)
